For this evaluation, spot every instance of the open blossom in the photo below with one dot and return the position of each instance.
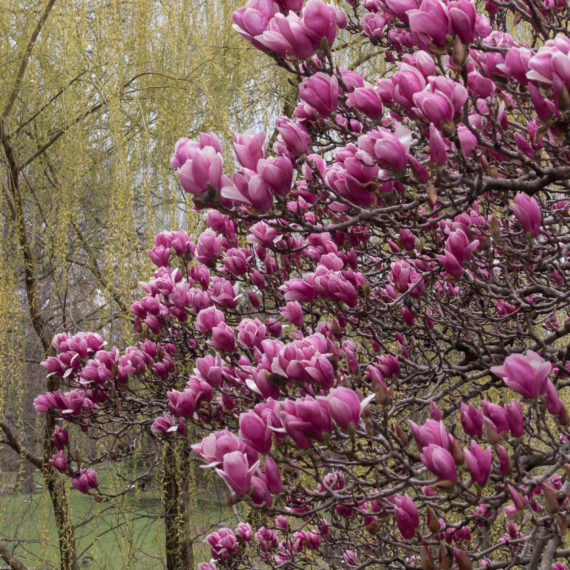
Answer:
(526, 373)
(236, 472)
(222, 543)
(432, 432)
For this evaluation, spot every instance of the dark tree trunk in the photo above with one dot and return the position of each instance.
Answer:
(58, 496)
(179, 553)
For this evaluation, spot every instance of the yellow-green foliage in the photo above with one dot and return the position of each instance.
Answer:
(91, 108)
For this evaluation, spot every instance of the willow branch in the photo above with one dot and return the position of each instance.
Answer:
(26, 59)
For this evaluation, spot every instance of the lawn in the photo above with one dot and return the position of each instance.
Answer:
(127, 534)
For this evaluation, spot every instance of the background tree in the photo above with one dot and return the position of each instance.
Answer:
(86, 88)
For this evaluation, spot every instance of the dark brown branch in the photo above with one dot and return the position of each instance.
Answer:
(12, 442)
(10, 560)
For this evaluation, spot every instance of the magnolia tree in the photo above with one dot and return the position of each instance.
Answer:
(369, 342)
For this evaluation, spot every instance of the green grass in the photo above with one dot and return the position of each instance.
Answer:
(127, 533)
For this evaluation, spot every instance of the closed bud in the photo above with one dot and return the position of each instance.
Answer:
(493, 172)
(563, 522)
(445, 560)
(457, 452)
(113, 455)
(76, 456)
(98, 497)
(447, 127)
(459, 54)
(563, 100)
(432, 193)
(401, 434)
(432, 520)
(567, 469)
(490, 432)
(445, 484)
(505, 462)
(382, 396)
(427, 562)
(564, 417)
(495, 228)
(462, 560)
(373, 527)
(550, 500)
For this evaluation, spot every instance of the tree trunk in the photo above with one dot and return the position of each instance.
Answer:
(58, 496)
(179, 553)
(26, 483)
(66, 536)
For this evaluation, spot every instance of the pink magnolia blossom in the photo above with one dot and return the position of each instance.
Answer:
(406, 515)
(478, 462)
(471, 420)
(440, 462)
(526, 373)
(248, 148)
(236, 472)
(320, 91)
(527, 213)
(255, 431)
(344, 407)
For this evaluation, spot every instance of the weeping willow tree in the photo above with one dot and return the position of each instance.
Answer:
(94, 94)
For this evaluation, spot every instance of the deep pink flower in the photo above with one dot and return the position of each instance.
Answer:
(253, 18)
(319, 21)
(273, 475)
(244, 531)
(208, 318)
(440, 462)
(277, 173)
(406, 515)
(294, 135)
(497, 415)
(367, 101)
(320, 91)
(478, 462)
(248, 148)
(255, 431)
(182, 404)
(528, 214)
(515, 418)
(344, 407)
(167, 425)
(223, 338)
(431, 21)
(432, 432)
(526, 373)
(236, 472)
(214, 447)
(59, 461)
(471, 420)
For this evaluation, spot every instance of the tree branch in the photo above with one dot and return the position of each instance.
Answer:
(12, 442)
(10, 560)
(26, 59)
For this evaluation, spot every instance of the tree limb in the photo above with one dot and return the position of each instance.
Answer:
(12, 442)
(26, 59)
(10, 560)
